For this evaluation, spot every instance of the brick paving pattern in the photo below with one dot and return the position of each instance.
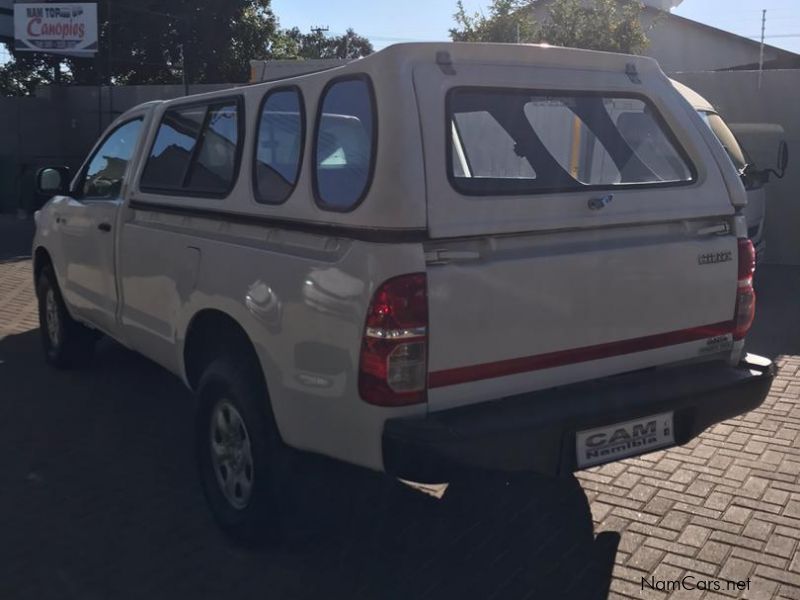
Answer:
(18, 311)
(98, 499)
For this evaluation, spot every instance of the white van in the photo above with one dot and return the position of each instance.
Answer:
(439, 258)
(753, 178)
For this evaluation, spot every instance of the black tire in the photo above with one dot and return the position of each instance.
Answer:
(69, 343)
(235, 384)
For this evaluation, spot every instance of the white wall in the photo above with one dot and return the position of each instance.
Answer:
(682, 45)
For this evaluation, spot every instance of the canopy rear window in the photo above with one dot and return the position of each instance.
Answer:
(524, 142)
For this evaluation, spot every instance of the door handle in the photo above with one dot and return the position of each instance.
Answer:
(600, 203)
(443, 256)
(720, 229)
(105, 227)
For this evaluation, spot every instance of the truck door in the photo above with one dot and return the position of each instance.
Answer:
(87, 222)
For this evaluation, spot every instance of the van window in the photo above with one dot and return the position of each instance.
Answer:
(281, 133)
(344, 144)
(520, 142)
(196, 151)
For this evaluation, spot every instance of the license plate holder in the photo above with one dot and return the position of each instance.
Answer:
(625, 439)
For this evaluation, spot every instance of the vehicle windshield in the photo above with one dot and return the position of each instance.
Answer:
(726, 138)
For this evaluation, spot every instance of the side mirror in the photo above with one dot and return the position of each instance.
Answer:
(52, 181)
(783, 162)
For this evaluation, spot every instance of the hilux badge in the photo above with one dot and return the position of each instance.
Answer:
(711, 258)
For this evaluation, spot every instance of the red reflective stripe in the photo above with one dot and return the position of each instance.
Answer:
(575, 355)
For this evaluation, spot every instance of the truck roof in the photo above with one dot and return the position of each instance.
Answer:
(692, 97)
(388, 61)
(528, 54)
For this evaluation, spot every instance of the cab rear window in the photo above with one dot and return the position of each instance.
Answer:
(524, 142)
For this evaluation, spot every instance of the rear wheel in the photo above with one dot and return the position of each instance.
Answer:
(66, 342)
(243, 463)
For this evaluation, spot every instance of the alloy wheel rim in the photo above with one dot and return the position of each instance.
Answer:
(231, 454)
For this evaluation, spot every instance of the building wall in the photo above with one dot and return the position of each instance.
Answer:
(682, 45)
(737, 97)
(30, 135)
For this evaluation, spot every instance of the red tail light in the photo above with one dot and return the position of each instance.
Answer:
(745, 295)
(394, 350)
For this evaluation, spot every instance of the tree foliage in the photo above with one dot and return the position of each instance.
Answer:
(146, 42)
(21, 76)
(507, 21)
(292, 43)
(611, 25)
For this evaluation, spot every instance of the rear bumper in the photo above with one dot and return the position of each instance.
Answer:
(536, 432)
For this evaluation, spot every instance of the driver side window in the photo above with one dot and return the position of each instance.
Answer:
(106, 171)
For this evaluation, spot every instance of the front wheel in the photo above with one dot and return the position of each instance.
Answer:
(242, 461)
(66, 342)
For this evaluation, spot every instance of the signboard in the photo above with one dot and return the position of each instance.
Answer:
(56, 28)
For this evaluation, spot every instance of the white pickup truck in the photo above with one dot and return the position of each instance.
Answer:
(442, 257)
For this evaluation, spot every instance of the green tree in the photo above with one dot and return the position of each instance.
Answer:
(292, 43)
(19, 77)
(508, 21)
(611, 25)
(145, 42)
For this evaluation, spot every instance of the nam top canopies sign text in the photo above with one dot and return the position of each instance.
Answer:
(56, 28)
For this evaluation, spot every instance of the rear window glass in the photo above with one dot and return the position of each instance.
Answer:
(509, 142)
(344, 144)
(281, 131)
(196, 151)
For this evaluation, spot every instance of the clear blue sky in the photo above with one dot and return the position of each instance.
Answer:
(386, 22)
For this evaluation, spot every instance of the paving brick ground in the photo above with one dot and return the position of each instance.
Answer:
(98, 498)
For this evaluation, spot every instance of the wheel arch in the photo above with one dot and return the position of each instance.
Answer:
(210, 333)
(41, 259)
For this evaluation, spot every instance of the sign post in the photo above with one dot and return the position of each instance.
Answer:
(56, 28)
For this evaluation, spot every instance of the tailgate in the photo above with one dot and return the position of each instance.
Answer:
(580, 228)
(520, 313)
